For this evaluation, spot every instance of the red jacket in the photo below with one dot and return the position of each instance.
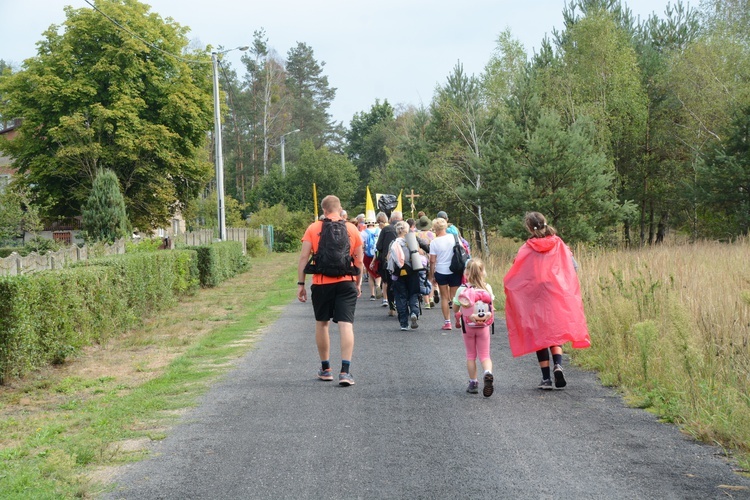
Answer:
(543, 305)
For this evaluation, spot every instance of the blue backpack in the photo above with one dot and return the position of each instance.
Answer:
(425, 285)
(372, 239)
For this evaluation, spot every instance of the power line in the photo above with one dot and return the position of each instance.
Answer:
(138, 37)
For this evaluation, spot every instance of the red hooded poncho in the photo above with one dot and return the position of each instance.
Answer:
(543, 304)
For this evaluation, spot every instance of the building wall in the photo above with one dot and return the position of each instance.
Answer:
(9, 132)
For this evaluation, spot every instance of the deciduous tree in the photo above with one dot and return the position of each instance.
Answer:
(130, 99)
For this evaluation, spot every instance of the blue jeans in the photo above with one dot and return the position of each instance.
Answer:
(407, 298)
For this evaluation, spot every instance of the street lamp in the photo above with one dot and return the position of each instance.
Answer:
(217, 138)
(283, 164)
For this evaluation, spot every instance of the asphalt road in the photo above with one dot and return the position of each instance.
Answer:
(408, 429)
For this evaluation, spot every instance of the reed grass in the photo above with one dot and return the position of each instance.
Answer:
(670, 326)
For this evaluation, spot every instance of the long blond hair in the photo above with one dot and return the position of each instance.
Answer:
(475, 273)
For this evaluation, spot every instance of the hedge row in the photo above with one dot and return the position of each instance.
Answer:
(152, 281)
(219, 261)
(49, 315)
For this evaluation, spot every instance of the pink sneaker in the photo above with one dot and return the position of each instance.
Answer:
(447, 326)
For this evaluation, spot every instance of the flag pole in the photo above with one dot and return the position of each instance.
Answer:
(315, 200)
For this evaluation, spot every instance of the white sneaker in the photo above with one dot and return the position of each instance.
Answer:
(413, 319)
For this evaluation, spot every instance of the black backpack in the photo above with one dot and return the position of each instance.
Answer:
(333, 256)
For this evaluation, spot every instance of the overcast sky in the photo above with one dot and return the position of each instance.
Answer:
(389, 49)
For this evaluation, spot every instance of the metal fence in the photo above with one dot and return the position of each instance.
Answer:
(266, 232)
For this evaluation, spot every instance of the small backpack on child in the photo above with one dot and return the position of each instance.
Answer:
(476, 308)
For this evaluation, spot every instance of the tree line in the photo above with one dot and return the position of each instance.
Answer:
(618, 129)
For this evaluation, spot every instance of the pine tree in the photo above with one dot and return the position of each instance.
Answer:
(104, 217)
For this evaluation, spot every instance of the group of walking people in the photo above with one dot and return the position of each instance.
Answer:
(412, 272)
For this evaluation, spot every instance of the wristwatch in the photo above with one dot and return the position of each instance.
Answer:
(301, 283)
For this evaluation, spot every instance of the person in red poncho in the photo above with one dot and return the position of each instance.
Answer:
(543, 306)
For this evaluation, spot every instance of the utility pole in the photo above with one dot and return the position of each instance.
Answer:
(283, 160)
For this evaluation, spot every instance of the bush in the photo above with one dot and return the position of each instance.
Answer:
(256, 247)
(48, 316)
(39, 245)
(288, 227)
(6, 251)
(143, 245)
(219, 261)
(152, 281)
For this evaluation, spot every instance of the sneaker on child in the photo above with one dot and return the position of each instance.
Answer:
(545, 384)
(488, 388)
(559, 377)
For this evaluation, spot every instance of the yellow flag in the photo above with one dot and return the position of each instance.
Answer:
(398, 205)
(369, 207)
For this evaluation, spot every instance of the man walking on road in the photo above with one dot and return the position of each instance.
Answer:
(336, 248)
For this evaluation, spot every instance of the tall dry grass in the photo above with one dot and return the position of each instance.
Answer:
(671, 326)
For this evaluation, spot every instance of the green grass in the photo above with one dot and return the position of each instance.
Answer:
(670, 328)
(52, 457)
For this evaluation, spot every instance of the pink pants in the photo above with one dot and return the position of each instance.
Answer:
(477, 341)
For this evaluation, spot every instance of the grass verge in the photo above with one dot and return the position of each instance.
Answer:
(670, 328)
(64, 430)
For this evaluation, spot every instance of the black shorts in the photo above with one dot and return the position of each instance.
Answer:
(452, 280)
(336, 301)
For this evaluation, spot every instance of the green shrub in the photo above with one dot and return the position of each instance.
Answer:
(41, 245)
(5, 251)
(256, 247)
(288, 227)
(52, 314)
(152, 281)
(49, 315)
(219, 261)
(143, 245)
